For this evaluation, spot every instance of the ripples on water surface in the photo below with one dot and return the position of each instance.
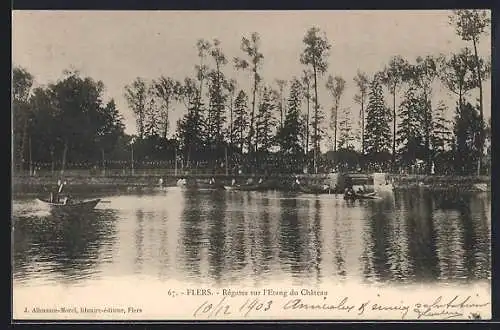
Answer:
(225, 237)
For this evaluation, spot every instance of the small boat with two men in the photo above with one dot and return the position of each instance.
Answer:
(57, 203)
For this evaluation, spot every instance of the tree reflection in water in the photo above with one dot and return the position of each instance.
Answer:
(252, 237)
(68, 247)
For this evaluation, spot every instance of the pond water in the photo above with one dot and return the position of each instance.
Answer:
(226, 237)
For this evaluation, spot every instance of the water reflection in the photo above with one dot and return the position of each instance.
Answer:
(222, 237)
(68, 247)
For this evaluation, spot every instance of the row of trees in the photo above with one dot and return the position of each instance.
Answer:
(224, 124)
(263, 120)
(63, 122)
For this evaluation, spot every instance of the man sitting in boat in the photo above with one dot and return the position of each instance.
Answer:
(349, 189)
(260, 180)
(233, 182)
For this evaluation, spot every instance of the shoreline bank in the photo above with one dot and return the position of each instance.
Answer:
(26, 184)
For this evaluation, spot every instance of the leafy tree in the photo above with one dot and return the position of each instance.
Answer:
(467, 131)
(153, 118)
(251, 48)
(190, 135)
(411, 132)
(422, 75)
(456, 73)
(167, 90)
(69, 118)
(363, 84)
(346, 137)
(136, 95)
(289, 135)
(190, 128)
(336, 86)
(264, 124)
(22, 82)
(241, 121)
(281, 86)
(44, 131)
(378, 133)
(315, 55)
(442, 134)
(110, 130)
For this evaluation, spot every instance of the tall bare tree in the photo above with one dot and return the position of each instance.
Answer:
(363, 83)
(315, 54)
(251, 48)
(336, 86)
(203, 46)
(306, 85)
(470, 25)
(392, 77)
(230, 86)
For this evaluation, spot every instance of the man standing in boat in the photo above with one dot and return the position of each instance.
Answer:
(55, 197)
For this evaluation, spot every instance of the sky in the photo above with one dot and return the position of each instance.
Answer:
(118, 46)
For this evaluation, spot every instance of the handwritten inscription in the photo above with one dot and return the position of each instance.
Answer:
(226, 308)
(237, 304)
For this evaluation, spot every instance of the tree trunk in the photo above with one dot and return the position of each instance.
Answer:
(428, 123)
(335, 127)
(307, 121)
(393, 160)
(231, 120)
(480, 85)
(30, 157)
(362, 126)
(65, 152)
(52, 165)
(103, 163)
(316, 142)
(165, 128)
(252, 117)
(23, 143)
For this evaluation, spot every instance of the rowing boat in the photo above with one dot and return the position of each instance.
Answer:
(316, 190)
(355, 196)
(250, 187)
(74, 206)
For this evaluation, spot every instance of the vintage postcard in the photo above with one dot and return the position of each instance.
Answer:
(251, 165)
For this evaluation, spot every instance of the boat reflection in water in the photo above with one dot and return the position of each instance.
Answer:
(62, 247)
(253, 238)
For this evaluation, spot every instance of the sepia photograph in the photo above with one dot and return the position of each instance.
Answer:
(251, 165)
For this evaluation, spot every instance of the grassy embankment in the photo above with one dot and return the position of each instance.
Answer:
(143, 180)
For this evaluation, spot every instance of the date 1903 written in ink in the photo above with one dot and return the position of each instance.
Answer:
(224, 308)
